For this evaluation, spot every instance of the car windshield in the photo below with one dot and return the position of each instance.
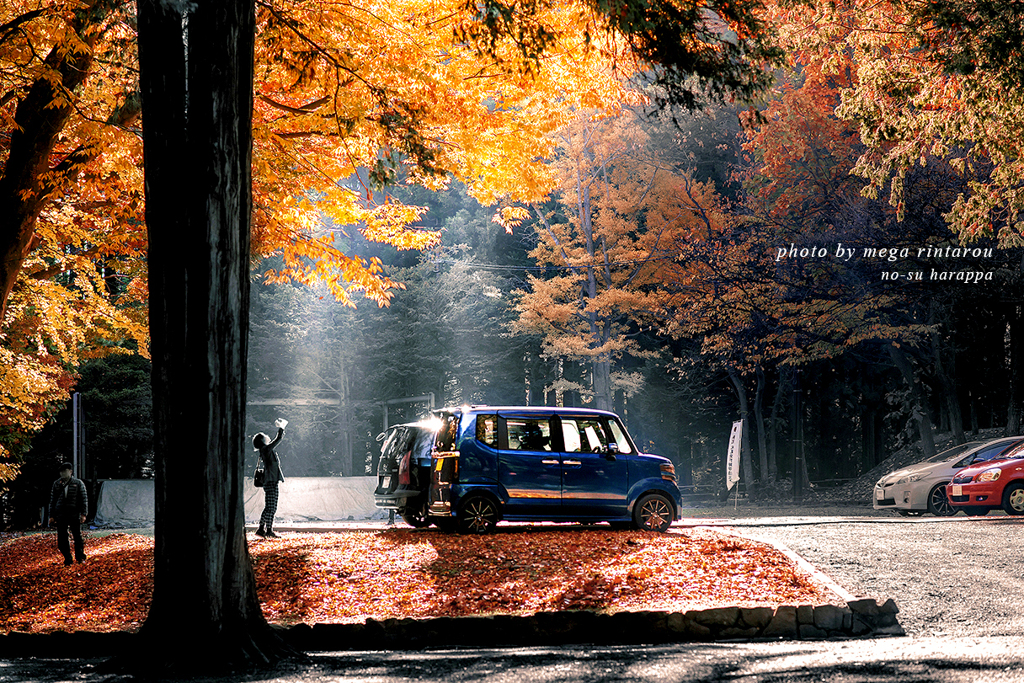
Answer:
(953, 452)
(1015, 452)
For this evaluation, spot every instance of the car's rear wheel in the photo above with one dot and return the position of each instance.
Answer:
(478, 515)
(976, 510)
(415, 518)
(1013, 498)
(653, 512)
(938, 503)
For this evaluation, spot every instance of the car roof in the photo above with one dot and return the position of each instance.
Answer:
(539, 410)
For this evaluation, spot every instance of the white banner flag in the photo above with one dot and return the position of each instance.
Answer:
(732, 462)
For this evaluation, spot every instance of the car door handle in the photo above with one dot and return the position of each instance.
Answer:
(550, 462)
(572, 462)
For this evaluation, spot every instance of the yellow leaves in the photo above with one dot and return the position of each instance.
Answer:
(510, 217)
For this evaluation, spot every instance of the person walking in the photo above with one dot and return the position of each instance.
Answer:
(69, 504)
(272, 477)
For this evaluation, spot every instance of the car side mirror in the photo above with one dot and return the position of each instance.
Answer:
(611, 451)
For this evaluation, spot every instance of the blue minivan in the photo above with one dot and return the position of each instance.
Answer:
(545, 463)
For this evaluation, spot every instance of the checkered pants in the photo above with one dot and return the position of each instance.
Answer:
(270, 495)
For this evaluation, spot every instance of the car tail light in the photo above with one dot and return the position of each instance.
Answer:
(668, 471)
(403, 469)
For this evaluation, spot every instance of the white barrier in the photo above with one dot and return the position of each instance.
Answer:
(316, 499)
(129, 502)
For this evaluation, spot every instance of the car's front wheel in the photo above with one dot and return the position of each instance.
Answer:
(1013, 498)
(478, 515)
(653, 512)
(938, 503)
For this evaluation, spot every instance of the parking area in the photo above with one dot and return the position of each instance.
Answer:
(953, 576)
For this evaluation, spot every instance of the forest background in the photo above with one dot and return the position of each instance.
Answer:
(560, 239)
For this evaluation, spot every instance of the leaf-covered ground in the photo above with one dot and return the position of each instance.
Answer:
(346, 577)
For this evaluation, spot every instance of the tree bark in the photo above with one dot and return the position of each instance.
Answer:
(196, 75)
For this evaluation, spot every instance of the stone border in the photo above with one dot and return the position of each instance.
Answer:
(806, 622)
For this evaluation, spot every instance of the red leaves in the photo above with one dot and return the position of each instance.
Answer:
(347, 577)
(111, 591)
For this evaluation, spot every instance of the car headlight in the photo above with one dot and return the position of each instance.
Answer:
(910, 478)
(990, 475)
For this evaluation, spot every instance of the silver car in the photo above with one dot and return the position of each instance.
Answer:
(921, 487)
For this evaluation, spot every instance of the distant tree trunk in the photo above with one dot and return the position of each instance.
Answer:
(869, 437)
(762, 446)
(777, 405)
(746, 464)
(196, 76)
(919, 402)
(1013, 408)
(945, 371)
(602, 368)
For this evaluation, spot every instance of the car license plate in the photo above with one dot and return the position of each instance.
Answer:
(879, 494)
(386, 483)
(958, 490)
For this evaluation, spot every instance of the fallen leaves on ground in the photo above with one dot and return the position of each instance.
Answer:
(351, 576)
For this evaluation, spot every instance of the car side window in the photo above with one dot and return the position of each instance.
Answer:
(583, 435)
(526, 434)
(619, 437)
(487, 430)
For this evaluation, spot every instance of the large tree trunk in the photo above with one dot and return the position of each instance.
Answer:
(197, 106)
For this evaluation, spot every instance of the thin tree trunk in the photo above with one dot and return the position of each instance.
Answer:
(197, 102)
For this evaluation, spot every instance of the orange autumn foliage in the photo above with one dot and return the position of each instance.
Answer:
(344, 94)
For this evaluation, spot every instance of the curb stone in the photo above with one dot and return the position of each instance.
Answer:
(864, 617)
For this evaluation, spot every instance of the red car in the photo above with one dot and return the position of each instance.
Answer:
(990, 485)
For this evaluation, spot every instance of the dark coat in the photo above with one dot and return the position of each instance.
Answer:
(69, 498)
(271, 461)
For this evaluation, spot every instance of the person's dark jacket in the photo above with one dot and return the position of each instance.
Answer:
(68, 498)
(271, 461)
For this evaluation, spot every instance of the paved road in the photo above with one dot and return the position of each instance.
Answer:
(957, 583)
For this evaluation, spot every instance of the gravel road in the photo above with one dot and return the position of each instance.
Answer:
(957, 576)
